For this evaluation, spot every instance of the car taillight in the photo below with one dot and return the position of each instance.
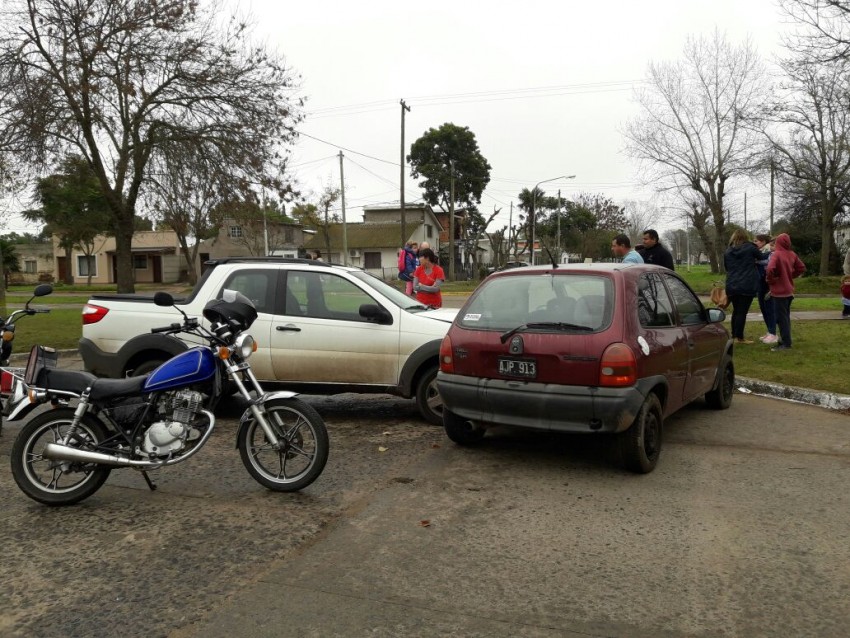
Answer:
(618, 367)
(447, 363)
(93, 314)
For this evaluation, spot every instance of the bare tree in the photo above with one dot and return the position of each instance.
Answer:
(812, 144)
(640, 215)
(696, 129)
(115, 81)
(826, 28)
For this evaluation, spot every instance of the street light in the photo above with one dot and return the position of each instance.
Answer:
(534, 208)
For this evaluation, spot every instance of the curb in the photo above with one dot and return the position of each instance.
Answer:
(828, 400)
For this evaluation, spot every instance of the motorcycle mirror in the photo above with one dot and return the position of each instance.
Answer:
(42, 290)
(163, 299)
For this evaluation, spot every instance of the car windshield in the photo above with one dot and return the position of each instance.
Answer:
(393, 294)
(549, 302)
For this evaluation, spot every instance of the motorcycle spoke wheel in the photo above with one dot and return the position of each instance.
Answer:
(51, 481)
(302, 451)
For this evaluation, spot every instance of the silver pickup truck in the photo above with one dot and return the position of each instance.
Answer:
(321, 329)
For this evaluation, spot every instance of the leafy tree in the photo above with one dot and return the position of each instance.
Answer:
(9, 256)
(73, 208)
(259, 223)
(430, 158)
(117, 82)
(319, 215)
(698, 124)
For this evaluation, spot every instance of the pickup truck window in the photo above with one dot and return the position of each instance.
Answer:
(258, 285)
(324, 296)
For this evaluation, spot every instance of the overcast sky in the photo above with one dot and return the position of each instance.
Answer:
(545, 86)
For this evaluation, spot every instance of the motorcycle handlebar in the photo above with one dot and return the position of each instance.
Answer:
(172, 328)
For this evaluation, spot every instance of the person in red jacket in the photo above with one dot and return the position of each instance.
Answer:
(845, 296)
(784, 266)
(427, 279)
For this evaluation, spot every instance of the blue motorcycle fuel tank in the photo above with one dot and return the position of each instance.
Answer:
(192, 366)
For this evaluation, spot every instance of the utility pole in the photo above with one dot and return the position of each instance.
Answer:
(770, 230)
(265, 227)
(403, 163)
(745, 211)
(558, 217)
(452, 221)
(510, 231)
(342, 202)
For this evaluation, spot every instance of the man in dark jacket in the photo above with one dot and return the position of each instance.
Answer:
(654, 252)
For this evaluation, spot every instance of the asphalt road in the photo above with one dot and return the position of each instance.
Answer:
(741, 531)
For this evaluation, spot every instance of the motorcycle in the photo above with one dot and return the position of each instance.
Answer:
(64, 455)
(10, 377)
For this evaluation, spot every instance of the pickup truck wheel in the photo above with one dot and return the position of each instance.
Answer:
(462, 431)
(146, 367)
(428, 398)
(640, 445)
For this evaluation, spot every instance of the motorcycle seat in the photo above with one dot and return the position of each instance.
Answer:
(67, 380)
(103, 389)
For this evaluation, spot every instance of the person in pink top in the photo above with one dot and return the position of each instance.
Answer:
(783, 267)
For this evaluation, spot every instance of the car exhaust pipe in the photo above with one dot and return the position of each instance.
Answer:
(59, 452)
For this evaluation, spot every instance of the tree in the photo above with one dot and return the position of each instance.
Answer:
(640, 215)
(826, 37)
(118, 81)
(186, 187)
(813, 145)
(73, 208)
(698, 124)
(9, 257)
(430, 158)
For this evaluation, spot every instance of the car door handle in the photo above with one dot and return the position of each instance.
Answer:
(288, 328)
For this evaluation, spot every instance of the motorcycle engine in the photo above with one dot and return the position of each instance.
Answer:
(177, 410)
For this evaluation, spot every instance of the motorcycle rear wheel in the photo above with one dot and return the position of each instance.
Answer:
(304, 449)
(57, 482)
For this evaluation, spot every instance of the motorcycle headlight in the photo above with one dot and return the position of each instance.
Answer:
(245, 346)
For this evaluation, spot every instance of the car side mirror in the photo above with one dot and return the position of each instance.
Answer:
(716, 315)
(376, 314)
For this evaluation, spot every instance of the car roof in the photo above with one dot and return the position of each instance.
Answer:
(600, 267)
(278, 261)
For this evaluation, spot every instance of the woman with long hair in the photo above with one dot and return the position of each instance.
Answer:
(427, 279)
(742, 280)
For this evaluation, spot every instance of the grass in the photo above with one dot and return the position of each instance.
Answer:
(817, 360)
(60, 329)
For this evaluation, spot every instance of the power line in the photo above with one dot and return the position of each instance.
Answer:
(348, 150)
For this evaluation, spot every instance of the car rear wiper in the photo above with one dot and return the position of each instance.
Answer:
(558, 325)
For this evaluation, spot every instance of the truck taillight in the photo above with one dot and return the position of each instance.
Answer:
(93, 314)
(618, 367)
(447, 363)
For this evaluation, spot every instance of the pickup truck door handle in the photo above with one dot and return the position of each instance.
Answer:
(288, 327)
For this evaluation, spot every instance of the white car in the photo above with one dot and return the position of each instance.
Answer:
(321, 328)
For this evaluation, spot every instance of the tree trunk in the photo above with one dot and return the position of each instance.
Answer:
(124, 256)
(69, 266)
(189, 257)
(826, 234)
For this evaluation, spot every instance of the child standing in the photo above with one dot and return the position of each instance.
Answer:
(845, 296)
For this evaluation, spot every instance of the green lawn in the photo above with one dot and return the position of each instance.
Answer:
(60, 329)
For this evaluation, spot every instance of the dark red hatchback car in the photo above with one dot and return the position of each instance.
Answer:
(608, 348)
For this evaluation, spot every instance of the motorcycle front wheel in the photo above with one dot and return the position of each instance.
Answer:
(303, 449)
(57, 482)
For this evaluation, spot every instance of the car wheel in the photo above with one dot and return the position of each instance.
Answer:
(428, 398)
(462, 431)
(721, 397)
(640, 445)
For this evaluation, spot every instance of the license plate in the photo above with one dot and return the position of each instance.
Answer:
(522, 368)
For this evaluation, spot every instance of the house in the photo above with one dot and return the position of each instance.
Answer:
(373, 244)
(37, 264)
(156, 259)
(234, 239)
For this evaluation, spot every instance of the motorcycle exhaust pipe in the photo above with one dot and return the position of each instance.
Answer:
(59, 452)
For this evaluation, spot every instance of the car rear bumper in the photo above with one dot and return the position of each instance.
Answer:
(562, 408)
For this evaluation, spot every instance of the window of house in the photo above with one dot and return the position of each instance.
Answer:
(235, 231)
(86, 265)
(429, 231)
(288, 235)
(140, 262)
(30, 266)
(371, 260)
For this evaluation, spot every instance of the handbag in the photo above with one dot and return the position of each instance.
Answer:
(718, 295)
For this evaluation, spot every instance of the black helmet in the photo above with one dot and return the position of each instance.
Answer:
(233, 309)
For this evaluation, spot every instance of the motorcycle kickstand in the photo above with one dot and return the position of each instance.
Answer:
(148, 480)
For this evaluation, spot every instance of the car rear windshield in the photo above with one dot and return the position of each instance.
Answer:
(506, 302)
